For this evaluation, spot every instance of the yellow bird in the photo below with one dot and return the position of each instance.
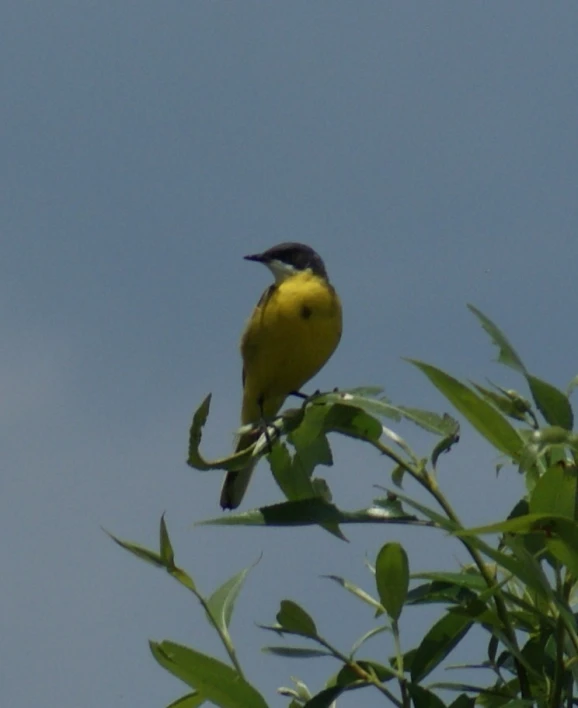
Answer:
(294, 329)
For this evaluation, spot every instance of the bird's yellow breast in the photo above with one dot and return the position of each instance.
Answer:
(292, 332)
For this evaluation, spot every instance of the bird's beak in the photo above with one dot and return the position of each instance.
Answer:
(257, 257)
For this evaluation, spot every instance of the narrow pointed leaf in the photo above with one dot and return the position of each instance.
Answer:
(357, 591)
(218, 682)
(438, 642)
(564, 544)
(297, 652)
(366, 391)
(182, 577)
(196, 432)
(301, 690)
(310, 442)
(397, 476)
(518, 562)
(470, 580)
(507, 405)
(555, 492)
(560, 534)
(446, 444)
(434, 516)
(551, 402)
(139, 551)
(350, 674)
(392, 578)
(367, 636)
(432, 422)
(438, 592)
(155, 559)
(291, 476)
(196, 460)
(222, 602)
(294, 620)
(307, 512)
(478, 611)
(463, 701)
(482, 415)
(422, 698)
(191, 700)
(325, 698)
(506, 353)
(530, 523)
(353, 422)
(167, 553)
(373, 406)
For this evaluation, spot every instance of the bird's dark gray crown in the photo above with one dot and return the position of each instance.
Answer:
(298, 255)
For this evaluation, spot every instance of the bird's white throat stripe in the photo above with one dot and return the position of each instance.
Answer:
(281, 271)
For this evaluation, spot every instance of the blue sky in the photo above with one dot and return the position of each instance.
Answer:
(427, 150)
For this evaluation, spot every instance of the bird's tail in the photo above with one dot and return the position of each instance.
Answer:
(237, 481)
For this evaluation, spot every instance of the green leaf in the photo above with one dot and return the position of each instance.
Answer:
(196, 460)
(432, 422)
(373, 406)
(507, 354)
(301, 691)
(291, 476)
(222, 602)
(521, 564)
(325, 698)
(437, 592)
(167, 553)
(310, 442)
(139, 551)
(463, 701)
(307, 512)
(555, 492)
(191, 700)
(216, 681)
(196, 433)
(365, 637)
(392, 578)
(357, 592)
(560, 533)
(479, 612)
(564, 543)
(157, 559)
(482, 415)
(513, 406)
(434, 516)
(297, 652)
(471, 580)
(294, 620)
(422, 698)
(530, 523)
(393, 508)
(348, 674)
(397, 476)
(438, 642)
(446, 443)
(366, 391)
(450, 686)
(353, 422)
(551, 402)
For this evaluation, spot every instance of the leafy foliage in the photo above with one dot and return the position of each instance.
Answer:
(519, 589)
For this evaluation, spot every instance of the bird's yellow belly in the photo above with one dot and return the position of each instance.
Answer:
(289, 338)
